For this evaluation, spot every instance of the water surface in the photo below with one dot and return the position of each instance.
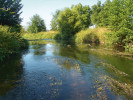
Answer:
(52, 70)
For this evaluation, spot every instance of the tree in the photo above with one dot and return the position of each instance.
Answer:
(54, 24)
(72, 20)
(104, 14)
(95, 17)
(36, 25)
(118, 15)
(82, 14)
(10, 12)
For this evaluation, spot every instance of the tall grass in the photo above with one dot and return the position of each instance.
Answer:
(96, 35)
(40, 35)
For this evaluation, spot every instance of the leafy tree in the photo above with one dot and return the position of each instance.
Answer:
(120, 19)
(72, 20)
(104, 14)
(82, 14)
(118, 15)
(54, 24)
(36, 25)
(66, 23)
(96, 9)
(115, 14)
(10, 12)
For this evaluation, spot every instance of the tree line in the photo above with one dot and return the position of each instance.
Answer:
(117, 15)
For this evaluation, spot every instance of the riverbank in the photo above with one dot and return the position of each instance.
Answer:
(105, 36)
(40, 35)
(98, 35)
(10, 42)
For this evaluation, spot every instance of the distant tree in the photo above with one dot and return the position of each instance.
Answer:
(10, 12)
(54, 23)
(36, 25)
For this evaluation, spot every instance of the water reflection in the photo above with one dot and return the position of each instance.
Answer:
(10, 73)
(115, 65)
(64, 71)
(70, 50)
(68, 64)
(39, 49)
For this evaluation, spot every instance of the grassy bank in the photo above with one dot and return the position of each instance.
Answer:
(96, 35)
(105, 36)
(10, 42)
(40, 35)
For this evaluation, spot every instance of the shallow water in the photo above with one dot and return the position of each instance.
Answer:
(65, 71)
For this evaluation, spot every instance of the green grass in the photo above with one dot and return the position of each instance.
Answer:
(40, 35)
(96, 35)
(40, 42)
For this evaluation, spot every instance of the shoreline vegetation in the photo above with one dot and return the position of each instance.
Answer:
(10, 42)
(89, 36)
(40, 35)
(113, 26)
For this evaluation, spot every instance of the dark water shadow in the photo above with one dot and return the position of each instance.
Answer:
(10, 72)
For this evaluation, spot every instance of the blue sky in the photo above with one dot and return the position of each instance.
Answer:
(45, 8)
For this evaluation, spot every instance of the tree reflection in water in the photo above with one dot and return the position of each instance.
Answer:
(10, 73)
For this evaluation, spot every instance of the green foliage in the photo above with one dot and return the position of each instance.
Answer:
(66, 22)
(40, 35)
(71, 20)
(54, 23)
(10, 12)
(112, 38)
(57, 36)
(118, 15)
(96, 35)
(104, 14)
(10, 42)
(10, 37)
(36, 25)
(129, 48)
(129, 43)
(96, 9)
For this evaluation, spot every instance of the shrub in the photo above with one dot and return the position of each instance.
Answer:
(57, 37)
(10, 43)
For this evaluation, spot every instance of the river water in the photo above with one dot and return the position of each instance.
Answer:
(51, 70)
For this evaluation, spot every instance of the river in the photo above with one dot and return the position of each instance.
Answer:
(51, 70)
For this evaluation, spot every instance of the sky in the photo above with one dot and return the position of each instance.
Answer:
(45, 8)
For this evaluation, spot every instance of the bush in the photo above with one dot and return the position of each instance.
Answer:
(128, 43)
(10, 43)
(57, 37)
(111, 38)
